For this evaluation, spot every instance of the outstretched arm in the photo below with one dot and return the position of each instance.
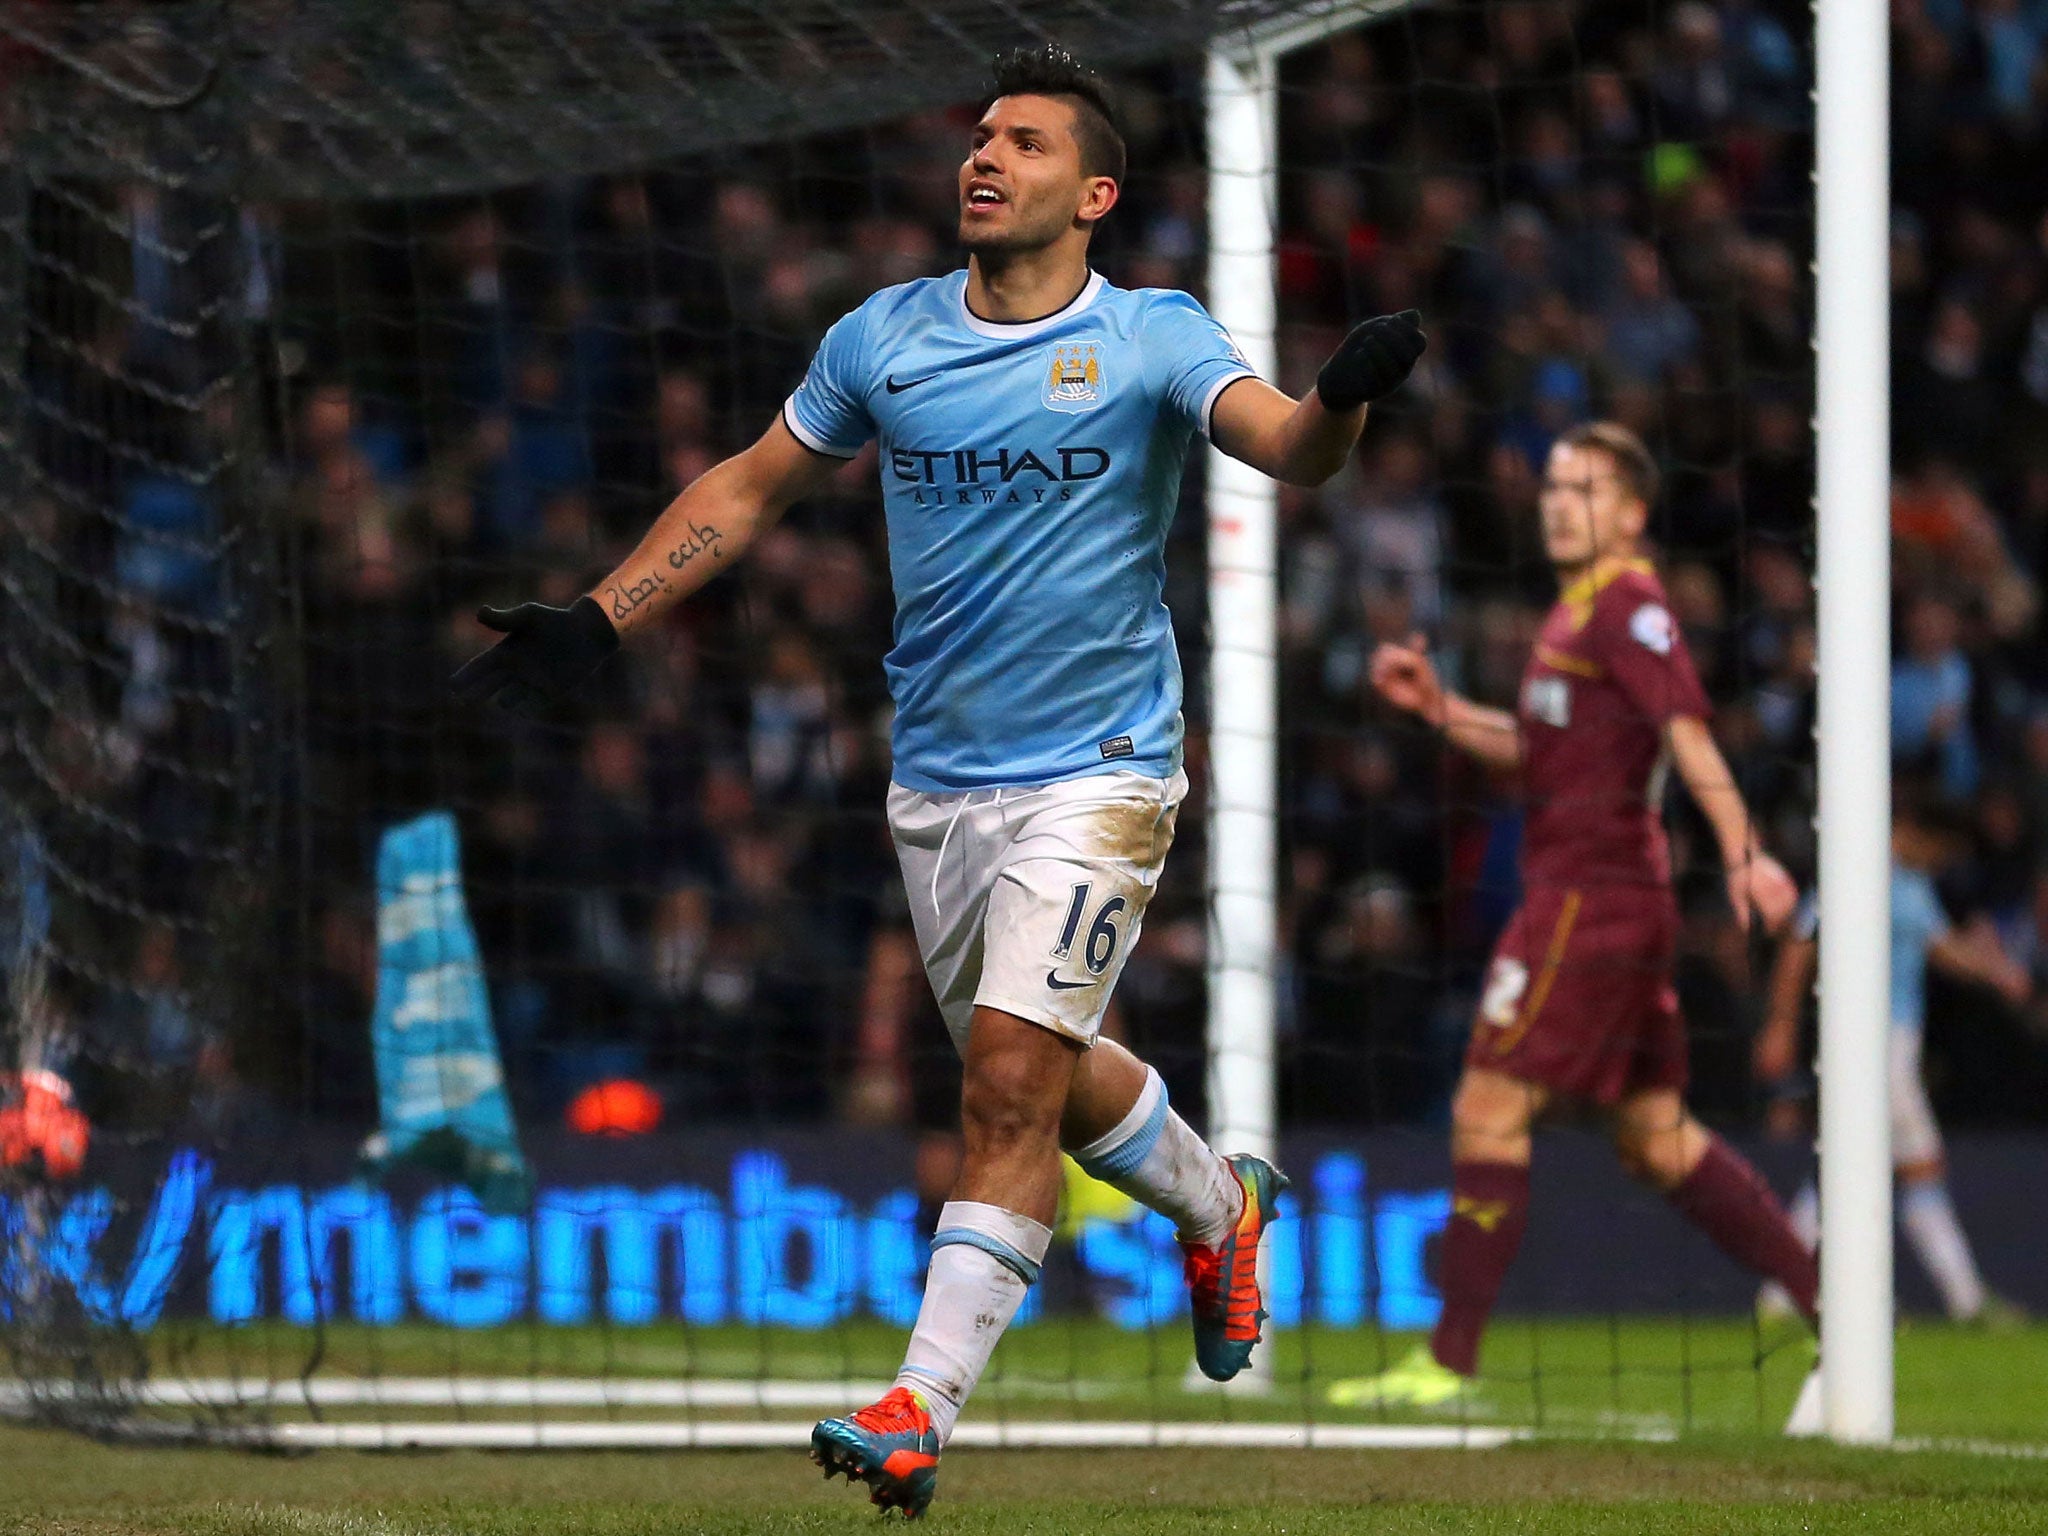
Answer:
(1973, 953)
(1406, 679)
(1774, 1052)
(1305, 441)
(547, 653)
(1757, 883)
(880, 1090)
(709, 525)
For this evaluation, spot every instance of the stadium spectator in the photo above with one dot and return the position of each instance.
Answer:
(1648, 331)
(1932, 696)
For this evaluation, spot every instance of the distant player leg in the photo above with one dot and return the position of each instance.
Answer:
(1491, 1147)
(1928, 1218)
(1490, 1153)
(1804, 1214)
(1926, 1214)
(1772, 1299)
(1715, 1189)
(1491, 1116)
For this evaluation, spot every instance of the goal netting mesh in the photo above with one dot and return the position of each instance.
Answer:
(577, 1078)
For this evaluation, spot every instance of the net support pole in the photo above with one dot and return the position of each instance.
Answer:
(15, 447)
(1242, 107)
(14, 273)
(1243, 621)
(1853, 588)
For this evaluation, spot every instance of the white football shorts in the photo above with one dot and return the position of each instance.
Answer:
(1915, 1136)
(1029, 900)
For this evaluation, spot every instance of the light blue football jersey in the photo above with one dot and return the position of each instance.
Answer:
(1029, 473)
(1917, 924)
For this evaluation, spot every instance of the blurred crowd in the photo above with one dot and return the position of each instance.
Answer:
(1601, 209)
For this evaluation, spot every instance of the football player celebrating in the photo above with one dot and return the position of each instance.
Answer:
(1929, 833)
(1579, 1002)
(1032, 424)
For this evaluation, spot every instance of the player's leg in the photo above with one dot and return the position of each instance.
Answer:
(1928, 1218)
(990, 1242)
(943, 843)
(1773, 1301)
(1510, 1060)
(1715, 1188)
(1491, 1118)
(1926, 1214)
(1509, 1063)
(1121, 1129)
(993, 1231)
(1062, 919)
(1025, 903)
(1789, 1118)
(1804, 1212)
(1016, 1092)
(1711, 1185)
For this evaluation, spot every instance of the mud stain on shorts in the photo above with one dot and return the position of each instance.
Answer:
(1134, 831)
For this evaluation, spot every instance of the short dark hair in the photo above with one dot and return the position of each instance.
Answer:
(1632, 461)
(1920, 800)
(1049, 70)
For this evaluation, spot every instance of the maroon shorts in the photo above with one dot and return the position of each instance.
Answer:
(1579, 996)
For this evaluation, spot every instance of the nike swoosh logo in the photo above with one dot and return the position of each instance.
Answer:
(894, 388)
(1052, 979)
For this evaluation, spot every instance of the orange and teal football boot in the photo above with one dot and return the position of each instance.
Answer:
(1223, 1281)
(891, 1446)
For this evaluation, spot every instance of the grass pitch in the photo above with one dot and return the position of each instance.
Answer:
(1709, 1383)
(56, 1485)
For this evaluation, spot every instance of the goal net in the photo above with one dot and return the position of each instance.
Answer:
(452, 1077)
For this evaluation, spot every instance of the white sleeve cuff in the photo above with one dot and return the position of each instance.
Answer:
(807, 437)
(1209, 400)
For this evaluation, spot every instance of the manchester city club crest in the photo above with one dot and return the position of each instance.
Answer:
(1073, 376)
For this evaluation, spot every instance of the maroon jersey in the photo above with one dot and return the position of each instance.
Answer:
(1609, 671)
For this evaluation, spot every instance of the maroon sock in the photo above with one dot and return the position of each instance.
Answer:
(1726, 1199)
(1489, 1210)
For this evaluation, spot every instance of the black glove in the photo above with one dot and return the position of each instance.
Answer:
(545, 656)
(1372, 361)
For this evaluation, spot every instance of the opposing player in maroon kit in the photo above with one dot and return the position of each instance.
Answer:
(1579, 1002)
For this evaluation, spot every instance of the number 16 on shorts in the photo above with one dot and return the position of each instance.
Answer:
(1099, 946)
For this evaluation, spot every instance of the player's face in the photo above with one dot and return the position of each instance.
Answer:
(1022, 186)
(1588, 510)
(1925, 848)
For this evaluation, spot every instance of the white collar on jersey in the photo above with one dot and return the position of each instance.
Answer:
(1017, 330)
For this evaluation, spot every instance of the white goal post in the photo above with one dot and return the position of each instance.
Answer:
(1852, 339)
(1242, 111)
